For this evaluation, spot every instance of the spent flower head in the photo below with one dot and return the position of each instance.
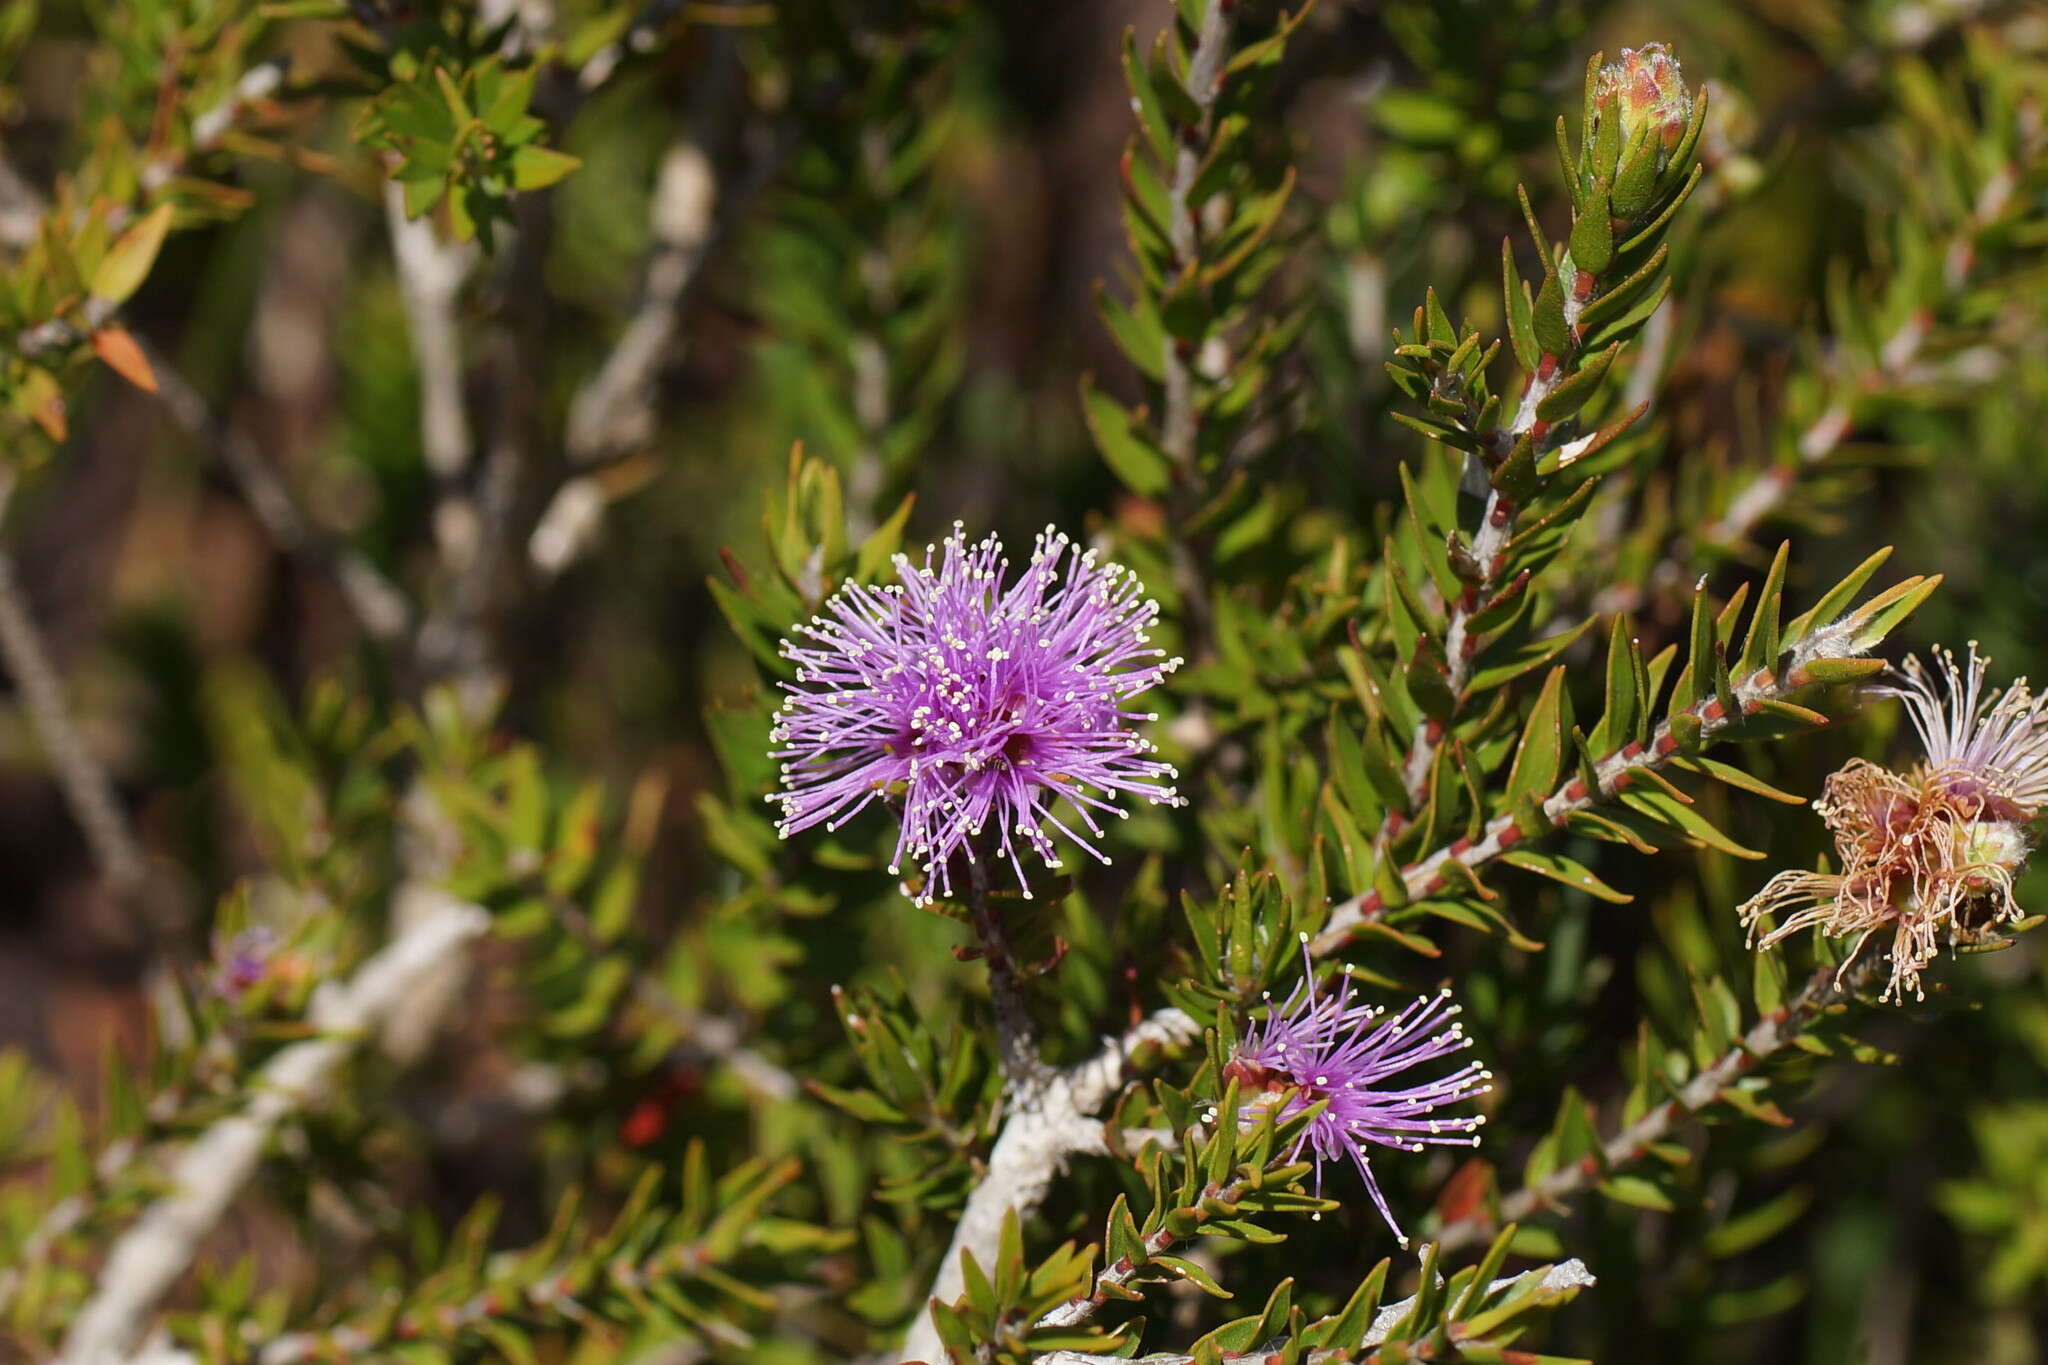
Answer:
(1321, 1046)
(977, 701)
(1928, 855)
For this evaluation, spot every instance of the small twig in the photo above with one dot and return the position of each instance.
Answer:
(1773, 1033)
(1564, 1277)
(613, 412)
(211, 1171)
(1042, 1129)
(258, 83)
(1898, 364)
(22, 205)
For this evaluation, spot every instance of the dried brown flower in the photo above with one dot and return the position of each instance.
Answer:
(1929, 855)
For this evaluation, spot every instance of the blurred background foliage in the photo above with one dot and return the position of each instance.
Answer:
(883, 232)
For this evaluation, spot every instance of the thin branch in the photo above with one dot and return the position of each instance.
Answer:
(538, 1295)
(1179, 422)
(1562, 1278)
(1489, 552)
(1043, 1127)
(257, 84)
(1120, 1272)
(87, 788)
(690, 213)
(1612, 774)
(377, 603)
(155, 1253)
(1773, 1033)
(1016, 1035)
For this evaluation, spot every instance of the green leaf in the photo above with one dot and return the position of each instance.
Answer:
(1525, 656)
(1539, 755)
(1697, 829)
(862, 1104)
(1736, 777)
(1758, 1225)
(1883, 614)
(1592, 240)
(1566, 872)
(126, 265)
(535, 168)
(1634, 1190)
(1575, 392)
(1547, 318)
(1130, 453)
(1835, 600)
(1760, 650)
(1521, 327)
(1624, 666)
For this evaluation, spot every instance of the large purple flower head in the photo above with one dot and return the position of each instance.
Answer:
(1321, 1046)
(976, 700)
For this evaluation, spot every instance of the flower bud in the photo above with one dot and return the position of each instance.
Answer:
(1984, 848)
(1649, 90)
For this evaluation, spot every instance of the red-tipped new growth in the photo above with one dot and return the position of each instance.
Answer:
(1928, 856)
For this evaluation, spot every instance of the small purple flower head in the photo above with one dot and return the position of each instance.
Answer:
(242, 961)
(1323, 1047)
(978, 701)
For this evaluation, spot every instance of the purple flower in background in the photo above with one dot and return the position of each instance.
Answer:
(1321, 1046)
(242, 961)
(975, 703)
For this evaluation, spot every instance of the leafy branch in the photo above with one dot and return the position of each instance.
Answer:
(1576, 1163)
(1724, 691)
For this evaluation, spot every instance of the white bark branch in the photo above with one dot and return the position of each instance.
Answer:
(614, 412)
(206, 1177)
(430, 275)
(1046, 1125)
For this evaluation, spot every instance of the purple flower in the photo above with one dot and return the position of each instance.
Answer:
(242, 961)
(1321, 1046)
(974, 703)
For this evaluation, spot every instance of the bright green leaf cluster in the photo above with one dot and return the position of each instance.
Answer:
(463, 136)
